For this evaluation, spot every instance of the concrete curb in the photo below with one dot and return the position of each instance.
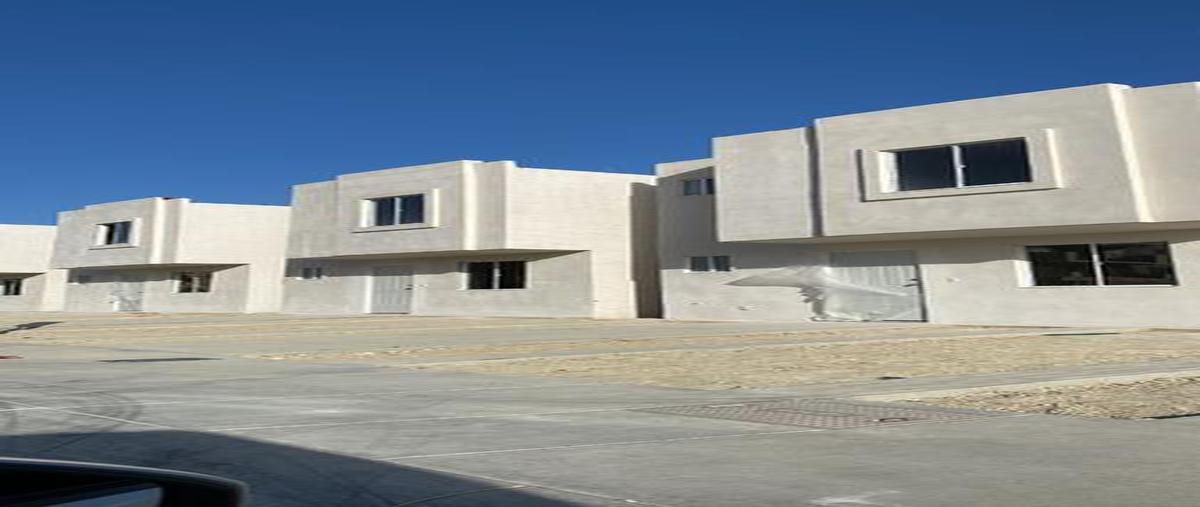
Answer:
(1108, 379)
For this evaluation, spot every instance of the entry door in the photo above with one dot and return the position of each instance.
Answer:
(391, 289)
(874, 286)
(127, 292)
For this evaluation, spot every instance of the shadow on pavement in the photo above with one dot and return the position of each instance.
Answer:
(28, 325)
(280, 475)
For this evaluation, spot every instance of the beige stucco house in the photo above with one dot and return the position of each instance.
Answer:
(474, 238)
(26, 281)
(172, 255)
(1071, 206)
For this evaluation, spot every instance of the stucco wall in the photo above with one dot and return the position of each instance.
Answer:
(1165, 121)
(229, 289)
(765, 185)
(75, 245)
(559, 285)
(1077, 133)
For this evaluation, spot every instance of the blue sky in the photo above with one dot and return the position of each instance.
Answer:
(225, 101)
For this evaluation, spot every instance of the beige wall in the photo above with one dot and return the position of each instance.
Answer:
(243, 244)
(496, 208)
(1165, 122)
(559, 285)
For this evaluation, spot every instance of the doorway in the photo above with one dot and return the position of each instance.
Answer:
(875, 286)
(127, 292)
(391, 289)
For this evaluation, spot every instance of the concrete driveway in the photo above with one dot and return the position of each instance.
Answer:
(354, 434)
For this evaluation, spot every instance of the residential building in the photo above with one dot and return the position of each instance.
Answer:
(167, 254)
(474, 238)
(1071, 206)
(26, 281)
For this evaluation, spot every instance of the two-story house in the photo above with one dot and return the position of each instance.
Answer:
(172, 255)
(26, 281)
(1071, 206)
(474, 238)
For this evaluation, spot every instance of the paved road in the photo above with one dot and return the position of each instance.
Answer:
(359, 435)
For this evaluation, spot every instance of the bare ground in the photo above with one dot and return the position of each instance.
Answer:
(772, 366)
(1164, 397)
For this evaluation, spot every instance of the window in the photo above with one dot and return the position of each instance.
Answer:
(699, 186)
(713, 263)
(79, 278)
(399, 210)
(963, 165)
(312, 273)
(192, 282)
(115, 233)
(10, 287)
(496, 275)
(1102, 264)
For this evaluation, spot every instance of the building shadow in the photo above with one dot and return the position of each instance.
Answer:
(278, 475)
(28, 326)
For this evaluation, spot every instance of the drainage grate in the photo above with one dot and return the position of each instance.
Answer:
(160, 360)
(827, 414)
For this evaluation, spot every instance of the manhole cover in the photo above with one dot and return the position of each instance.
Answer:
(827, 414)
(159, 360)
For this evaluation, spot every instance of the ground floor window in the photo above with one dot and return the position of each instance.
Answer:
(10, 287)
(496, 275)
(1101, 264)
(193, 281)
(709, 263)
(312, 273)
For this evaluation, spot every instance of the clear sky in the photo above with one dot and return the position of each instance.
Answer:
(233, 101)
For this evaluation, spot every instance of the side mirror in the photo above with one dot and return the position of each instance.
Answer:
(46, 483)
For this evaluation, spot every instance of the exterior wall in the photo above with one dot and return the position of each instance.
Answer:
(764, 185)
(559, 285)
(25, 252)
(1164, 121)
(687, 227)
(99, 293)
(485, 208)
(243, 244)
(1078, 142)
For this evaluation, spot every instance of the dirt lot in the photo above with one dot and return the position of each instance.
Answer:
(786, 365)
(1164, 397)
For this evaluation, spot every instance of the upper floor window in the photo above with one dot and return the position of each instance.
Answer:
(1101, 264)
(496, 275)
(115, 233)
(193, 281)
(397, 210)
(709, 263)
(699, 186)
(963, 165)
(10, 287)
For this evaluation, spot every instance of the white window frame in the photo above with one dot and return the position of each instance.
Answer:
(710, 263)
(179, 275)
(100, 236)
(705, 186)
(12, 287)
(364, 215)
(1027, 280)
(877, 163)
(465, 268)
(311, 273)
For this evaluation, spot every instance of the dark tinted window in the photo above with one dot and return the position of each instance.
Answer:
(1061, 265)
(194, 282)
(721, 263)
(412, 209)
(995, 162)
(512, 275)
(10, 287)
(1137, 264)
(116, 233)
(385, 211)
(480, 275)
(697, 263)
(925, 168)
